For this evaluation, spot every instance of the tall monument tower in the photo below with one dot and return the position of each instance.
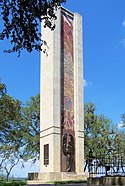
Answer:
(62, 120)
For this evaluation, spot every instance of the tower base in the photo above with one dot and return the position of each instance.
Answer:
(56, 176)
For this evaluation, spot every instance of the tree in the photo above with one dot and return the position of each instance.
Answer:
(103, 140)
(97, 131)
(123, 120)
(2, 89)
(21, 20)
(31, 128)
(19, 130)
(10, 127)
(10, 157)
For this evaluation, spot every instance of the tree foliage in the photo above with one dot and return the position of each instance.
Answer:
(21, 20)
(10, 136)
(101, 136)
(123, 120)
(31, 128)
(19, 130)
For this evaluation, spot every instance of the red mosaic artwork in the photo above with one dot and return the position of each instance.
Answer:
(67, 94)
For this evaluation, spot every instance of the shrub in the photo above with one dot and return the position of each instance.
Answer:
(12, 183)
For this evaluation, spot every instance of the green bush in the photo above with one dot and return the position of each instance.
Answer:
(69, 182)
(12, 183)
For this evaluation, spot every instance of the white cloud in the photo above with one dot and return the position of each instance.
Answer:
(85, 83)
(123, 23)
(122, 42)
(120, 124)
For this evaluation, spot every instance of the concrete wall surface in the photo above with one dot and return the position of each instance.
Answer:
(108, 180)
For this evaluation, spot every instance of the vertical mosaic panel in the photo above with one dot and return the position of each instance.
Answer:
(67, 94)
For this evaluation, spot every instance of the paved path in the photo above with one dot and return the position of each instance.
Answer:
(78, 184)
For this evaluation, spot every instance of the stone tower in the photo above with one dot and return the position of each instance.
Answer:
(62, 120)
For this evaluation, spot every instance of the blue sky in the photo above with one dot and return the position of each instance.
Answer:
(104, 60)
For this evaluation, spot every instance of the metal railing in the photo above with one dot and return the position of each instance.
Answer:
(106, 164)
